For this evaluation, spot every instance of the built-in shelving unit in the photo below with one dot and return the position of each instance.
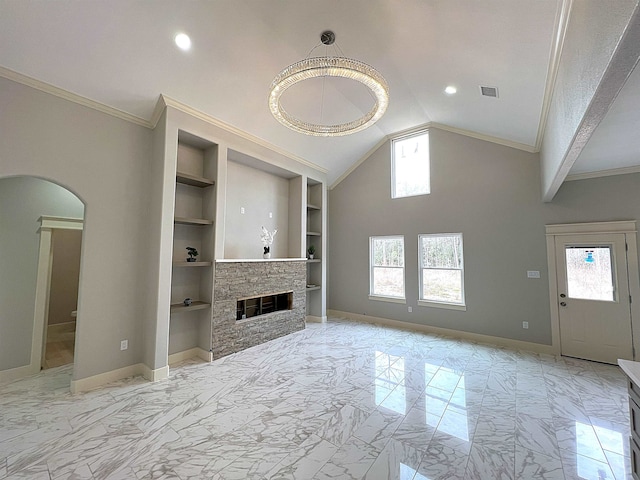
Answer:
(194, 213)
(213, 188)
(314, 229)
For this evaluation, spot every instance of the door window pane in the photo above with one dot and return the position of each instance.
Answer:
(589, 273)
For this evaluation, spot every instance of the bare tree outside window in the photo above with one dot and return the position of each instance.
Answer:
(441, 268)
(387, 266)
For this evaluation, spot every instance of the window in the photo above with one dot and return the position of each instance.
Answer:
(386, 265)
(410, 166)
(441, 270)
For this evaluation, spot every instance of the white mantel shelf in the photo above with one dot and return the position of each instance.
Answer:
(255, 260)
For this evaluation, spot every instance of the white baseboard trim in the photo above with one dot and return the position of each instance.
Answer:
(137, 370)
(101, 379)
(17, 373)
(314, 319)
(156, 375)
(474, 337)
(191, 353)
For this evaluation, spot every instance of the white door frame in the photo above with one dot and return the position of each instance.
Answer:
(43, 283)
(627, 227)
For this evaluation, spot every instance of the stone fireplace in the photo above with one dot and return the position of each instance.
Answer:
(238, 282)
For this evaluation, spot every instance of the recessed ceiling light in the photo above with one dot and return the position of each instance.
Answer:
(450, 90)
(183, 41)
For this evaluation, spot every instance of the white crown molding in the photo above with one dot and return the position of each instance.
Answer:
(487, 138)
(72, 97)
(563, 16)
(170, 102)
(603, 173)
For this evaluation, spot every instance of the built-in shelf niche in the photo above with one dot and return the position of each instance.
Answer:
(259, 193)
(194, 213)
(314, 229)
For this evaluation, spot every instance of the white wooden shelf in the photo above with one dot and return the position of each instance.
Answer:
(311, 206)
(311, 289)
(192, 264)
(195, 305)
(315, 260)
(314, 234)
(192, 221)
(193, 180)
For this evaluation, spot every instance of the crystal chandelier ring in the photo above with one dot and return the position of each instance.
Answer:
(333, 66)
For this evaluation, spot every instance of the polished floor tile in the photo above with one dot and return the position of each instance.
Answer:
(342, 400)
(60, 344)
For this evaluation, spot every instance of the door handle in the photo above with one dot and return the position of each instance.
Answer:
(562, 295)
(563, 304)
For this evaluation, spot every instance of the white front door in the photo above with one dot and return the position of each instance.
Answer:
(593, 297)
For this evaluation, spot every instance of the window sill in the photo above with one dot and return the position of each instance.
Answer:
(380, 298)
(448, 306)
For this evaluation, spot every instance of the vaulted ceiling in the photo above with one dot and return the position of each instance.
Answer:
(121, 53)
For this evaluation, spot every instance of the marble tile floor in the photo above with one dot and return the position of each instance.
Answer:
(61, 339)
(342, 400)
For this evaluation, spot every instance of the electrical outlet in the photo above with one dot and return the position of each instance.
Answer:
(525, 325)
(242, 210)
(533, 274)
(410, 309)
(124, 344)
(270, 214)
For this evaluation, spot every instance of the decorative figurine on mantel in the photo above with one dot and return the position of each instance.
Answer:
(193, 253)
(267, 241)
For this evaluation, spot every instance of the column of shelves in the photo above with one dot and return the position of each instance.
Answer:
(193, 227)
(314, 238)
(191, 191)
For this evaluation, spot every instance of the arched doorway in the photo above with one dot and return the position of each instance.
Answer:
(24, 200)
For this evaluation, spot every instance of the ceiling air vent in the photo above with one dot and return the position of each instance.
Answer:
(489, 91)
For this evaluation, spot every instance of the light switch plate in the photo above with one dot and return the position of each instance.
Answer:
(533, 274)
(124, 344)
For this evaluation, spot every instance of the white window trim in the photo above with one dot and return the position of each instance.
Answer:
(393, 163)
(447, 306)
(382, 298)
(386, 298)
(433, 303)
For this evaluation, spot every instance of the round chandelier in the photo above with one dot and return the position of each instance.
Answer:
(329, 66)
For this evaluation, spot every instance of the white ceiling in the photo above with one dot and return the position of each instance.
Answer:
(121, 53)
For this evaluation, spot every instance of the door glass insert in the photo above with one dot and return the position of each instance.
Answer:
(590, 273)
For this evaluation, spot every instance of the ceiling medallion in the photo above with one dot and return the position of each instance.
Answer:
(329, 66)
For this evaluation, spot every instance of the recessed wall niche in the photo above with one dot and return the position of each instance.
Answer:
(258, 194)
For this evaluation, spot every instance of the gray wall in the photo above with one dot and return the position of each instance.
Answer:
(23, 200)
(491, 194)
(260, 193)
(104, 160)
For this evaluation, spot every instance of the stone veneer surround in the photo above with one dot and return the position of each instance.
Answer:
(234, 279)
